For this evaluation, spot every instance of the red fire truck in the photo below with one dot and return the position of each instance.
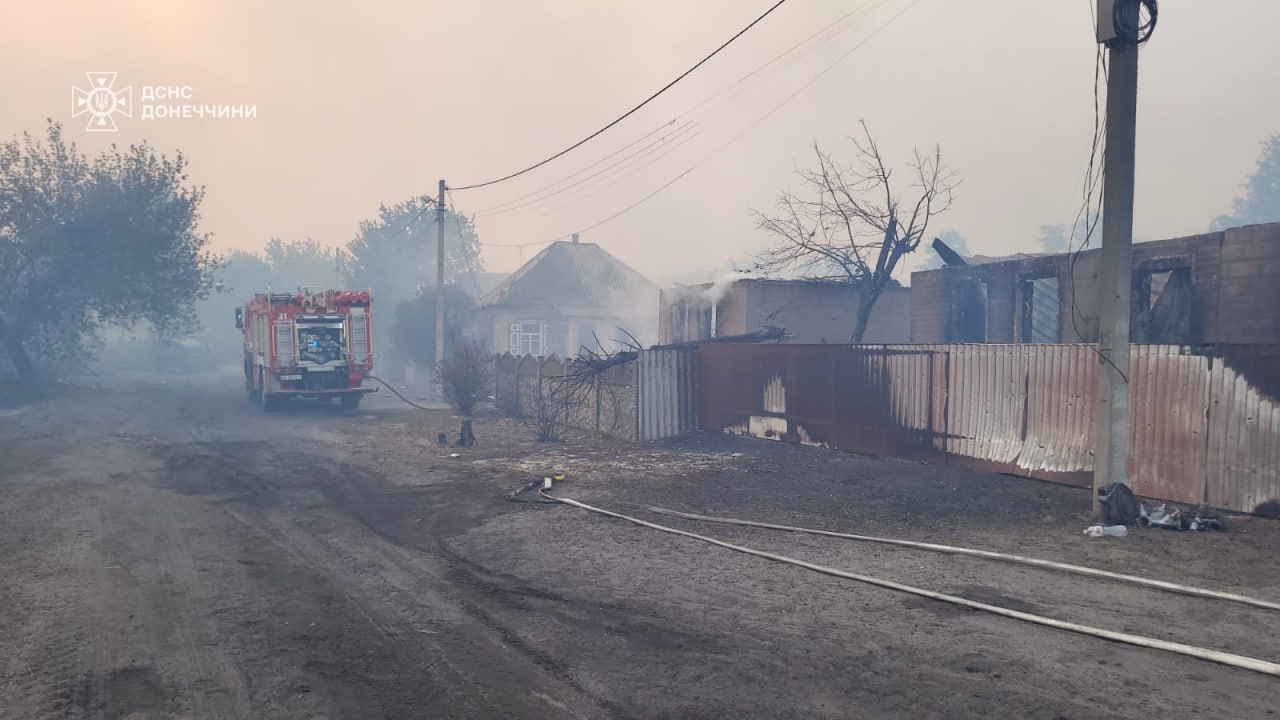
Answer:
(314, 343)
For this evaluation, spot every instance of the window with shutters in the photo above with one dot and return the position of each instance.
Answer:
(527, 338)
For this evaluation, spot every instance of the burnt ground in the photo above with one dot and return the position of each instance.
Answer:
(170, 551)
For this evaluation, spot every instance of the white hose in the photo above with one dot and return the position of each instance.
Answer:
(1020, 559)
(1261, 666)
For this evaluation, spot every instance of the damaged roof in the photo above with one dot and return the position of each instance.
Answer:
(574, 276)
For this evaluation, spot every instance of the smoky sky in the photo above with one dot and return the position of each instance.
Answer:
(366, 102)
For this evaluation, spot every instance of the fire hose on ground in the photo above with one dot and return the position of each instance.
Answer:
(1223, 658)
(388, 386)
(1020, 559)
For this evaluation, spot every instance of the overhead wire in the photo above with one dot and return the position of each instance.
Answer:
(429, 202)
(754, 124)
(578, 172)
(785, 101)
(471, 262)
(633, 110)
(827, 33)
(596, 190)
(638, 154)
(831, 30)
(1093, 177)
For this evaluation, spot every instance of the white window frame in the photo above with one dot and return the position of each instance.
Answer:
(528, 337)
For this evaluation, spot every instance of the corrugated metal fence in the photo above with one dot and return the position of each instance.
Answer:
(1205, 422)
(668, 400)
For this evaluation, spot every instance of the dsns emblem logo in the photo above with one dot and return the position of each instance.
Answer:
(101, 101)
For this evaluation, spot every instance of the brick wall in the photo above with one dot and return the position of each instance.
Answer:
(1248, 308)
(824, 312)
(811, 312)
(1235, 289)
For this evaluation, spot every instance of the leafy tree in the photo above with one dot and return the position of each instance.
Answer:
(282, 265)
(394, 257)
(302, 263)
(1261, 200)
(413, 329)
(1061, 238)
(395, 254)
(849, 224)
(955, 241)
(240, 274)
(86, 244)
(1055, 238)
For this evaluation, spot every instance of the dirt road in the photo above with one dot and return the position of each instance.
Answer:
(178, 553)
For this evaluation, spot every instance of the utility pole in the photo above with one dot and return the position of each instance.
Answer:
(440, 275)
(1120, 28)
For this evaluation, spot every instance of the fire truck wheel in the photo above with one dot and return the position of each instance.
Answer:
(350, 402)
(270, 403)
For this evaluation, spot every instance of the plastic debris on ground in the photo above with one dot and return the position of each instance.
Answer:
(1169, 518)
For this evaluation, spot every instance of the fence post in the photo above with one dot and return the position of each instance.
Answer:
(635, 392)
(541, 398)
(946, 408)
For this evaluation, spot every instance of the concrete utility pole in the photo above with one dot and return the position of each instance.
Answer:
(1111, 452)
(440, 275)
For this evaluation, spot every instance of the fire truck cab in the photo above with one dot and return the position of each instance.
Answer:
(314, 344)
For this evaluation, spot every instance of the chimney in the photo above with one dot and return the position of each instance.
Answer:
(575, 238)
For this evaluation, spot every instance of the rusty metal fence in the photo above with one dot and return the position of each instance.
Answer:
(1205, 421)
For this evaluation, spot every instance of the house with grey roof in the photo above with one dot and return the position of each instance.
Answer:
(565, 298)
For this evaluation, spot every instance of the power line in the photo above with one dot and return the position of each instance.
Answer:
(498, 207)
(429, 203)
(601, 188)
(736, 137)
(1091, 179)
(637, 203)
(525, 245)
(471, 262)
(595, 225)
(665, 139)
(633, 110)
(831, 30)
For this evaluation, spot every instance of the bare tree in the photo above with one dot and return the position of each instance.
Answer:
(546, 402)
(464, 374)
(848, 224)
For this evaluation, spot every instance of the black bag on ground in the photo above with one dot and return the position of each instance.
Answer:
(1119, 507)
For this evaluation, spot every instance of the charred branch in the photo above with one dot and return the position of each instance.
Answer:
(769, 333)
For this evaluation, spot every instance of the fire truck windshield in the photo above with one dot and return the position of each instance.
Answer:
(321, 344)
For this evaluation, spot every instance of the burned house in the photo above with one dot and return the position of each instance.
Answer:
(1215, 288)
(811, 312)
(565, 297)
